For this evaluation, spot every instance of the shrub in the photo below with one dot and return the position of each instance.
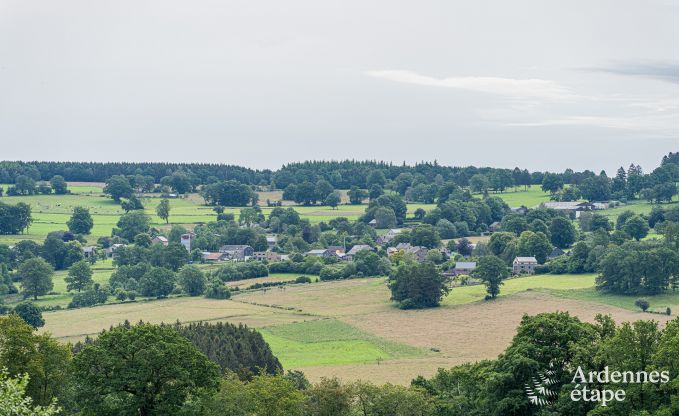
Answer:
(121, 294)
(90, 297)
(303, 279)
(217, 290)
(642, 304)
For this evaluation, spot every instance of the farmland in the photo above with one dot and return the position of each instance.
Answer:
(51, 212)
(351, 329)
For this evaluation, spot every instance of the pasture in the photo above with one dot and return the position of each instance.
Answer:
(516, 197)
(351, 329)
(51, 212)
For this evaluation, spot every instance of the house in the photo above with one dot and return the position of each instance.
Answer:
(523, 210)
(159, 239)
(557, 252)
(337, 251)
(237, 252)
(494, 227)
(524, 265)
(569, 207)
(373, 223)
(464, 267)
(386, 238)
(90, 252)
(419, 252)
(110, 252)
(187, 240)
(271, 240)
(214, 256)
(461, 267)
(399, 247)
(357, 249)
(319, 252)
(266, 255)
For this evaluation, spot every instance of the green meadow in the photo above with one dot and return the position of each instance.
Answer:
(467, 294)
(330, 342)
(516, 197)
(51, 212)
(571, 286)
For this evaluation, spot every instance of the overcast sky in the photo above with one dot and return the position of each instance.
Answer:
(540, 84)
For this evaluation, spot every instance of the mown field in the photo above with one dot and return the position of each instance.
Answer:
(516, 197)
(352, 330)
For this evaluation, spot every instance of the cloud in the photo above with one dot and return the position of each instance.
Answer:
(508, 87)
(664, 71)
(665, 125)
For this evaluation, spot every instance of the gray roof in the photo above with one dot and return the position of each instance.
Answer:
(233, 247)
(465, 265)
(359, 247)
(525, 260)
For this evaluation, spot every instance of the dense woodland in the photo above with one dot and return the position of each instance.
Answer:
(182, 177)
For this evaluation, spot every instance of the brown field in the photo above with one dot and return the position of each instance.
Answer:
(461, 333)
(77, 323)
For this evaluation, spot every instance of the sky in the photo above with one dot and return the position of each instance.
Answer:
(543, 85)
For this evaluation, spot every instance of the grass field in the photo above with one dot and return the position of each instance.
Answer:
(516, 197)
(352, 330)
(51, 212)
(59, 296)
(330, 342)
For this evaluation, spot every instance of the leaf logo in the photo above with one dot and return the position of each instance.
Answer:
(540, 390)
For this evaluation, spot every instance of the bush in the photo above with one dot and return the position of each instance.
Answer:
(239, 271)
(90, 297)
(642, 304)
(120, 294)
(217, 290)
(303, 279)
(31, 314)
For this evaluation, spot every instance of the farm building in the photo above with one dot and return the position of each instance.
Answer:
(419, 252)
(159, 239)
(237, 252)
(524, 265)
(266, 255)
(461, 267)
(110, 252)
(386, 238)
(90, 251)
(556, 252)
(523, 210)
(356, 249)
(214, 256)
(319, 252)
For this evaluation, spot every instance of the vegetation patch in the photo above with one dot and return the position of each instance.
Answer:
(330, 342)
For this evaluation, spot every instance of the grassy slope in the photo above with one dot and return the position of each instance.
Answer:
(60, 296)
(329, 342)
(517, 197)
(51, 212)
(467, 294)
(571, 286)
